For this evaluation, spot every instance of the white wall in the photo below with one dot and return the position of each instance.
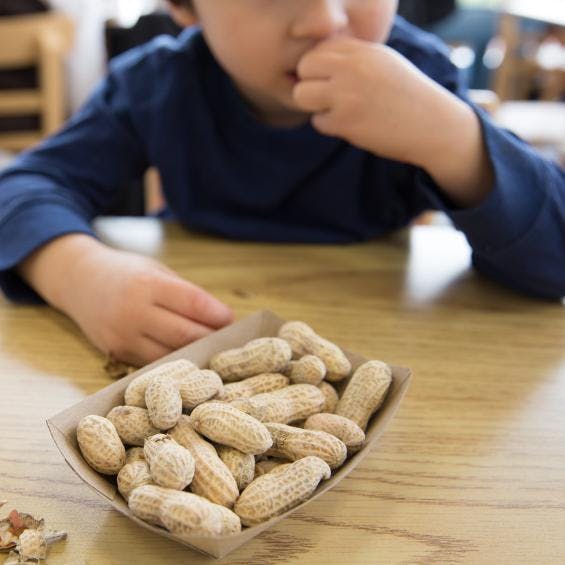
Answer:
(87, 61)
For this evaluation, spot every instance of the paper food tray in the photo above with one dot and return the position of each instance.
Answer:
(260, 324)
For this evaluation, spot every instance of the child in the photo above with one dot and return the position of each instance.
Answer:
(276, 120)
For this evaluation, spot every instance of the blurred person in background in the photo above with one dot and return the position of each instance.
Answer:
(457, 25)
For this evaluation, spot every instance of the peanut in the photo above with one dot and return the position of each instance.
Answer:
(227, 425)
(170, 464)
(274, 493)
(135, 391)
(101, 445)
(270, 465)
(308, 369)
(154, 444)
(365, 392)
(241, 465)
(145, 502)
(267, 382)
(231, 524)
(164, 403)
(343, 428)
(308, 399)
(212, 478)
(182, 513)
(132, 424)
(330, 395)
(288, 404)
(304, 340)
(295, 443)
(173, 467)
(133, 475)
(262, 355)
(185, 514)
(197, 387)
(135, 454)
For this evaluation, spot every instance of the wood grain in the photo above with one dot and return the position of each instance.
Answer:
(472, 469)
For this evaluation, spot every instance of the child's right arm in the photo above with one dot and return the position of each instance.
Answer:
(127, 305)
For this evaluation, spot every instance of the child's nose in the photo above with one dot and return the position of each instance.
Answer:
(320, 19)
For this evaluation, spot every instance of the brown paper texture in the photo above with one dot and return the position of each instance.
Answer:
(260, 324)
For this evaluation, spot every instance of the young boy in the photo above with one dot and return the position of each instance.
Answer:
(275, 120)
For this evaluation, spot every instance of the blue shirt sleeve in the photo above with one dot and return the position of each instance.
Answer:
(517, 233)
(58, 187)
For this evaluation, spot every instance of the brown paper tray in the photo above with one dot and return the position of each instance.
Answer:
(264, 323)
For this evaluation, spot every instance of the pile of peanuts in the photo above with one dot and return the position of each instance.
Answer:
(224, 433)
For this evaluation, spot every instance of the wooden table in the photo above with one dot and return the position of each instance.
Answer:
(472, 469)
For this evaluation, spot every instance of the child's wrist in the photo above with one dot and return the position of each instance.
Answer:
(52, 269)
(458, 160)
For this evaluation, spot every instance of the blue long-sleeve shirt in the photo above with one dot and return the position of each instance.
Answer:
(169, 104)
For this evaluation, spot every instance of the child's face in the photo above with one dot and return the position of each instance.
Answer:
(260, 42)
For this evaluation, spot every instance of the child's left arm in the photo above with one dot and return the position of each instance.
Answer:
(376, 99)
(508, 200)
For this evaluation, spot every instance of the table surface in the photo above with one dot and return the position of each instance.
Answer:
(471, 470)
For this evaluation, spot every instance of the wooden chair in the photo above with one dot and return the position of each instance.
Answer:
(40, 41)
(514, 77)
(523, 70)
(539, 122)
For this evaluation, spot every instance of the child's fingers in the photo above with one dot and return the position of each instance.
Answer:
(172, 330)
(318, 65)
(312, 95)
(191, 301)
(324, 122)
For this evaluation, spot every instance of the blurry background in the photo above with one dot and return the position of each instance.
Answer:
(511, 54)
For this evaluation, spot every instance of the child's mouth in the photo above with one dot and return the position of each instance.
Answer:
(292, 76)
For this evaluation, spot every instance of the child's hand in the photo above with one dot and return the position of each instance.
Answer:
(137, 309)
(371, 96)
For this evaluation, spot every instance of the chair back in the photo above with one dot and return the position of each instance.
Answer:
(40, 41)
